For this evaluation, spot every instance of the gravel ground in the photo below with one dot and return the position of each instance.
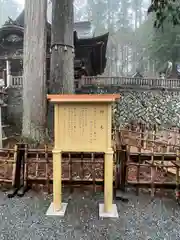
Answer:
(25, 219)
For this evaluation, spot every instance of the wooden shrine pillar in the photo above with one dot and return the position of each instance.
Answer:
(83, 123)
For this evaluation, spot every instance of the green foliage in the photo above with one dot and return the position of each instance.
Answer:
(165, 9)
(160, 44)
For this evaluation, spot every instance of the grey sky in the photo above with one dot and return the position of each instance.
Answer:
(20, 1)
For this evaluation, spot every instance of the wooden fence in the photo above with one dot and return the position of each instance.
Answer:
(139, 161)
(152, 158)
(77, 168)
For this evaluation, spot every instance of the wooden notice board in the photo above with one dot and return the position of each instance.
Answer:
(83, 122)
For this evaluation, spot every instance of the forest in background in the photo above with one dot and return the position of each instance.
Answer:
(133, 44)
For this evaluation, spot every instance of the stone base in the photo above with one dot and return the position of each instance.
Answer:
(61, 213)
(112, 214)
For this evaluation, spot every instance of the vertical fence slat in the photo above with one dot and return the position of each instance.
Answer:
(14, 166)
(177, 169)
(26, 166)
(47, 168)
(123, 164)
(153, 168)
(93, 162)
(70, 172)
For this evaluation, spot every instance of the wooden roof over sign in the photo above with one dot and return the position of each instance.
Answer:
(66, 98)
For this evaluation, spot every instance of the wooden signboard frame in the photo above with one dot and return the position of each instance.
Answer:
(83, 123)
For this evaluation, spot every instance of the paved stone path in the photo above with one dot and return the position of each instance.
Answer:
(140, 219)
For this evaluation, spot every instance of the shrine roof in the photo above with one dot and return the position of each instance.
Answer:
(77, 25)
(92, 48)
(20, 19)
(67, 98)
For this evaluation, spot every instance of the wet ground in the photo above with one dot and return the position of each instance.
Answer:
(25, 219)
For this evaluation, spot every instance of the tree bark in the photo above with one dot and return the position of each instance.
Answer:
(34, 81)
(62, 59)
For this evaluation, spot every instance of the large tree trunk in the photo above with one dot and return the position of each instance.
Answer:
(62, 59)
(34, 81)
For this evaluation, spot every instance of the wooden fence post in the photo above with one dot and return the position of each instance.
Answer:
(123, 167)
(117, 156)
(14, 166)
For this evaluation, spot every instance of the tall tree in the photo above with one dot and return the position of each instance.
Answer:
(99, 15)
(143, 38)
(34, 81)
(164, 45)
(80, 10)
(137, 8)
(166, 9)
(62, 59)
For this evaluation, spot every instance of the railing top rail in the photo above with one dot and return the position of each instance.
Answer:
(126, 82)
(130, 78)
(120, 77)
